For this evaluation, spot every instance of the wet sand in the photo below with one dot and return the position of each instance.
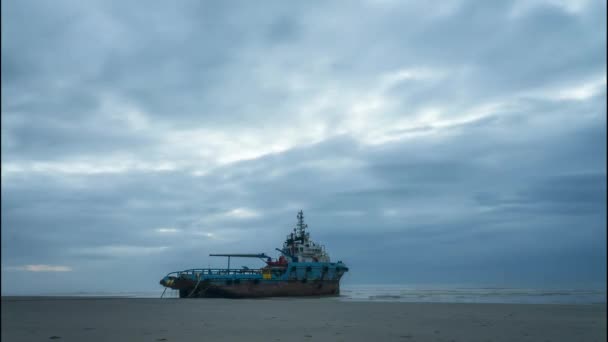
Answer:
(116, 319)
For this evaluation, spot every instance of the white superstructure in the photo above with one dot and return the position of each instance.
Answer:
(300, 247)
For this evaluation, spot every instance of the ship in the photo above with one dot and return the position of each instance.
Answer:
(303, 268)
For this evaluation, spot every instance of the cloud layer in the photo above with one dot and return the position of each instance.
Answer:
(453, 143)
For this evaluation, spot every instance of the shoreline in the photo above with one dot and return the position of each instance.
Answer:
(343, 299)
(332, 298)
(398, 293)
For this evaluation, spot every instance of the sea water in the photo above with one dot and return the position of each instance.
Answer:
(455, 294)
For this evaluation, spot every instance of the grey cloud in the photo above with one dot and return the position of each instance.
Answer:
(493, 199)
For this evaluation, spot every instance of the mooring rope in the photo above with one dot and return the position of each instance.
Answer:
(196, 286)
(161, 296)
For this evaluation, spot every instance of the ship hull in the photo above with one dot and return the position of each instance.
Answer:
(251, 289)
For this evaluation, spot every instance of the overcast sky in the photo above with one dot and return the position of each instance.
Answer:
(451, 142)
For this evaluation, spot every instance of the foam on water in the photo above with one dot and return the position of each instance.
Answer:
(401, 293)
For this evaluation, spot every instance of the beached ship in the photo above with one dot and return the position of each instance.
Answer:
(303, 269)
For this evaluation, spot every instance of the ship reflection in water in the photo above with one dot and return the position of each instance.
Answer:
(303, 269)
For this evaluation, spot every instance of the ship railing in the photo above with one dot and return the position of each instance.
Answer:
(213, 271)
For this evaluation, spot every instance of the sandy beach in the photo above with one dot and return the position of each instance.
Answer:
(310, 319)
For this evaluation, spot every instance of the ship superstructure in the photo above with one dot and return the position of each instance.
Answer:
(303, 269)
(300, 247)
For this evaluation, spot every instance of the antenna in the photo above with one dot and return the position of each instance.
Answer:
(301, 226)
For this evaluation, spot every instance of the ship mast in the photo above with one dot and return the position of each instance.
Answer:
(301, 226)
